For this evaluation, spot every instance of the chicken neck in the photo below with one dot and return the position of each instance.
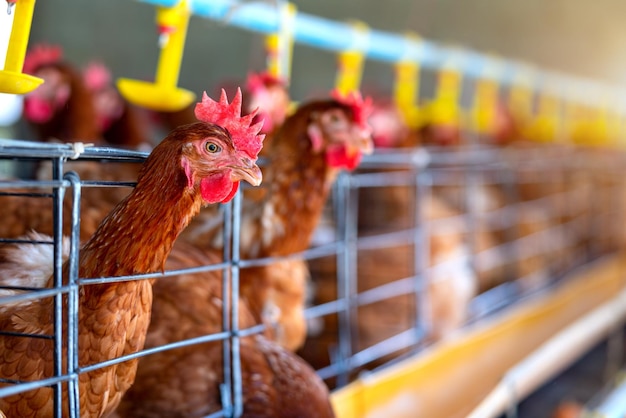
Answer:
(299, 183)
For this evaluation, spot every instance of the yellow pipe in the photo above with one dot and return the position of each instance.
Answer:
(279, 46)
(547, 123)
(445, 108)
(406, 91)
(350, 71)
(521, 102)
(406, 87)
(272, 46)
(351, 62)
(12, 80)
(485, 102)
(20, 33)
(168, 67)
(163, 94)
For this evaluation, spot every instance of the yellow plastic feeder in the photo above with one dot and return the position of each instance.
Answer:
(163, 94)
(352, 61)
(12, 79)
(406, 87)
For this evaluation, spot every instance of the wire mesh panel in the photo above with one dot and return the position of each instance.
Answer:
(433, 240)
(412, 247)
(64, 201)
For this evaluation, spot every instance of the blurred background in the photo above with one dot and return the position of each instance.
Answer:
(578, 37)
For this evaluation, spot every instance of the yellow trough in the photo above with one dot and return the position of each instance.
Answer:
(464, 375)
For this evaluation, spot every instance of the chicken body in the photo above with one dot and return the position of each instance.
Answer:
(184, 382)
(178, 177)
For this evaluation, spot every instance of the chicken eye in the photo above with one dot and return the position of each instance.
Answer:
(212, 147)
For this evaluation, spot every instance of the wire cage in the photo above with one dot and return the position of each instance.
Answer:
(412, 246)
(51, 205)
(432, 240)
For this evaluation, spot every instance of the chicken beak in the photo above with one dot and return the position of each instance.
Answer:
(363, 142)
(247, 171)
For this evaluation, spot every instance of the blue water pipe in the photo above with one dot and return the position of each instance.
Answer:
(336, 36)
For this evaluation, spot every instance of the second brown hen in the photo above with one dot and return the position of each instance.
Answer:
(306, 154)
(185, 382)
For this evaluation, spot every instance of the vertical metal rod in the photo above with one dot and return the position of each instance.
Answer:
(613, 208)
(547, 196)
(57, 216)
(613, 195)
(344, 341)
(226, 387)
(591, 216)
(73, 298)
(614, 353)
(512, 222)
(564, 189)
(421, 260)
(235, 342)
(471, 190)
(619, 208)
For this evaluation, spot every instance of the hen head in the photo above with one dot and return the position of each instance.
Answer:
(45, 62)
(108, 103)
(388, 125)
(268, 94)
(341, 131)
(212, 162)
(218, 152)
(443, 135)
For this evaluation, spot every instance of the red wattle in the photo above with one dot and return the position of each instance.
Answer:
(233, 191)
(218, 189)
(339, 158)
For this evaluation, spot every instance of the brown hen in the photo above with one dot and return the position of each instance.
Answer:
(196, 164)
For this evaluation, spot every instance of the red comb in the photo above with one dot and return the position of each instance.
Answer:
(361, 109)
(41, 55)
(245, 136)
(97, 76)
(263, 80)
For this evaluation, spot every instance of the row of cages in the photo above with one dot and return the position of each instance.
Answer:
(411, 247)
